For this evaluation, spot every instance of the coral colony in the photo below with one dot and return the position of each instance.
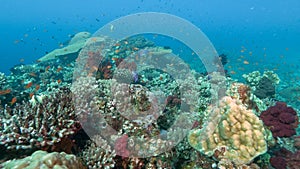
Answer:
(43, 123)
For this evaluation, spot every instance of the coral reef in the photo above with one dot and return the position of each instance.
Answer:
(42, 159)
(281, 120)
(135, 105)
(239, 134)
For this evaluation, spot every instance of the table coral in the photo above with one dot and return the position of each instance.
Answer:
(281, 119)
(238, 131)
(74, 46)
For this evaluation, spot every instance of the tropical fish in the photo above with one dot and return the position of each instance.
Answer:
(246, 62)
(30, 95)
(37, 87)
(28, 85)
(3, 92)
(135, 76)
(13, 101)
(47, 68)
(59, 69)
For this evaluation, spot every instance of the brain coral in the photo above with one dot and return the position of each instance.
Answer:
(239, 134)
(281, 119)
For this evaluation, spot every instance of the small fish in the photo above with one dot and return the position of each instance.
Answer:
(117, 51)
(111, 28)
(135, 48)
(3, 92)
(59, 69)
(58, 81)
(37, 87)
(114, 59)
(32, 74)
(135, 76)
(22, 60)
(30, 95)
(47, 68)
(94, 68)
(94, 39)
(28, 85)
(246, 62)
(13, 101)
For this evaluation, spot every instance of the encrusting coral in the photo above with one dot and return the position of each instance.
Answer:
(239, 134)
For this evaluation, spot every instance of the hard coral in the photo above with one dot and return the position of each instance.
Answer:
(238, 130)
(265, 88)
(39, 124)
(243, 93)
(42, 159)
(281, 119)
(99, 154)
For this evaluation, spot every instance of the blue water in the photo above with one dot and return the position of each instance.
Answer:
(31, 28)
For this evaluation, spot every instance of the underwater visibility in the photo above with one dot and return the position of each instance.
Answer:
(150, 84)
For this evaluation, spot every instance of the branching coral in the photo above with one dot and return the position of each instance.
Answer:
(99, 154)
(39, 124)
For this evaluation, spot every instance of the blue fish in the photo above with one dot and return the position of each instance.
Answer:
(135, 76)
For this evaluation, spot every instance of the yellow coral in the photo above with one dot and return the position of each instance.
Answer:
(238, 129)
(42, 159)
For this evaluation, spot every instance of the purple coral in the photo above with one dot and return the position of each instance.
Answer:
(281, 119)
(285, 159)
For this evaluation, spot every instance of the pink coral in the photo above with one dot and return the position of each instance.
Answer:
(121, 146)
